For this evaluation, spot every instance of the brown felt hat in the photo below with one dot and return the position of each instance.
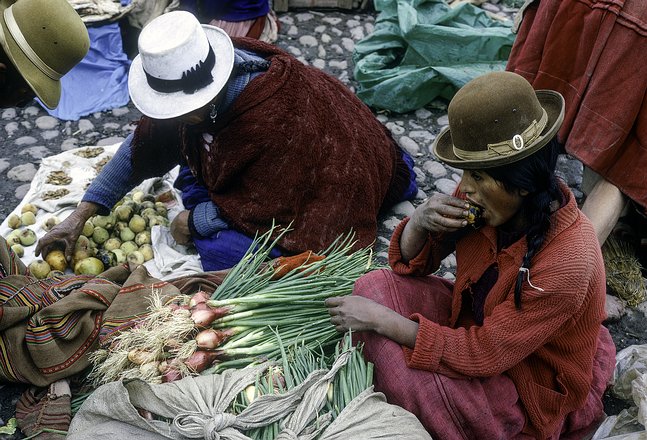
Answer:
(44, 39)
(497, 119)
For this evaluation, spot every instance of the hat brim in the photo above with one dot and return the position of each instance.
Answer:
(158, 105)
(550, 100)
(47, 89)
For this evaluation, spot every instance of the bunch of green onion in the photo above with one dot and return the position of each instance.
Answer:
(293, 306)
(237, 325)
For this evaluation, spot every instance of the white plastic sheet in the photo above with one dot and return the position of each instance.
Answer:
(171, 260)
(629, 384)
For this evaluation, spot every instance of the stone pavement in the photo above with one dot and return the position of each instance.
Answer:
(324, 39)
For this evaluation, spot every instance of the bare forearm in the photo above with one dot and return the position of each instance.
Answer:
(85, 210)
(398, 328)
(412, 241)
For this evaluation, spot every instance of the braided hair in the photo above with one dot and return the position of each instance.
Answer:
(535, 174)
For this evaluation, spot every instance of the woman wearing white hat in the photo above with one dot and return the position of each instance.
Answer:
(498, 353)
(261, 138)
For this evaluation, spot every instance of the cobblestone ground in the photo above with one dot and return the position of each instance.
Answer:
(324, 39)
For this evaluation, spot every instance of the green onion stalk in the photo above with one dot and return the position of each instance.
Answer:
(351, 379)
(260, 307)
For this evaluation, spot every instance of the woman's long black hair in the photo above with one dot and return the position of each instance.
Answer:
(535, 174)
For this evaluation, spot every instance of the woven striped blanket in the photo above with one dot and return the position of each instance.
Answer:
(48, 327)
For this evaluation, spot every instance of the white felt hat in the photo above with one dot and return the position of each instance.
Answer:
(182, 65)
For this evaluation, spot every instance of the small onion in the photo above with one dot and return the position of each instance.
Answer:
(211, 338)
(202, 318)
(198, 298)
(140, 357)
(162, 367)
(182, 312)
(149, 369)
(171, 374)
(250, 393)
(200, 360)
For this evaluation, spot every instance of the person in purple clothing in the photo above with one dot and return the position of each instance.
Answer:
(238, 18)
(261, 139)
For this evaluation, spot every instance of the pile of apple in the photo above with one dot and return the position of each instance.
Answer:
(124, 235)
(22, 237)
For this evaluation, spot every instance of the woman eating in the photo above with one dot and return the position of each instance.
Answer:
(514, 348)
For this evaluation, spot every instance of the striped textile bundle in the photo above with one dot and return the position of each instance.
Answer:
(48, 327)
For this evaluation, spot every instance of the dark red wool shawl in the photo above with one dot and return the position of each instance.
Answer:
(297, 146)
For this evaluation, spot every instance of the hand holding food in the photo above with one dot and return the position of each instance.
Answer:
(90, 243)
(65, 234)
(441, 213)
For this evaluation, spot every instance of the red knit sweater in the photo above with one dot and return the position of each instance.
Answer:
(547, 347)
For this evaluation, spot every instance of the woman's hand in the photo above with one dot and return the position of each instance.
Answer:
(362, 314)
(65, 234)
(440, 213)
(354, 312)
(180, 228)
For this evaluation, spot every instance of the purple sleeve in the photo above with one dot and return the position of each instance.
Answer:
(205, 219)
(235, 10)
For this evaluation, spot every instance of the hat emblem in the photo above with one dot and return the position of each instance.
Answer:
(517, 139)
(509, 146)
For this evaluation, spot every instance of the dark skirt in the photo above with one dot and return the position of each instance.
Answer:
(450, 408)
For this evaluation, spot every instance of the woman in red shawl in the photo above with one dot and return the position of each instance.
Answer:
(594, 52)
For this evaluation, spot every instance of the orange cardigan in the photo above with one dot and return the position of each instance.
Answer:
(547, 347)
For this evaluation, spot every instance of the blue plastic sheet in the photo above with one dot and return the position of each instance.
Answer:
(424, 49)
(100, 81)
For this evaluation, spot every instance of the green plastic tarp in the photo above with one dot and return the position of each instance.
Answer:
(424, 49)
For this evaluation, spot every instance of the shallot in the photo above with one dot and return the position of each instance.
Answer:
(200, 360)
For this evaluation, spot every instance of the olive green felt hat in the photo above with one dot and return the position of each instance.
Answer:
(44, 39)
(497, 119)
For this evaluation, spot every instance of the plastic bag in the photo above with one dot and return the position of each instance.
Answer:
(629, 384)
(424, 49)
